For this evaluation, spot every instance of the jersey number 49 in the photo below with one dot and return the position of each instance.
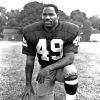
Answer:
(42, 49)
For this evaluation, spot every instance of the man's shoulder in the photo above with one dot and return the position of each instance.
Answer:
(36, 26)
(70, 27)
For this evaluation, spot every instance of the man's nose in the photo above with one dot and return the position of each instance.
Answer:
(47, 17)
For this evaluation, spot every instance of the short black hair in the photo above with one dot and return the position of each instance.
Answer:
(51, 5)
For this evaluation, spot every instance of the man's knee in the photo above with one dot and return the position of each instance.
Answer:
(70, 72)
(71, 79)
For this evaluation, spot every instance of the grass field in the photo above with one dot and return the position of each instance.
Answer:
(12, 76)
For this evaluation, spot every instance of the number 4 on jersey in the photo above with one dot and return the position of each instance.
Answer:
(42, 49)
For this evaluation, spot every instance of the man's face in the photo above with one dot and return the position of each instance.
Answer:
(49, 17)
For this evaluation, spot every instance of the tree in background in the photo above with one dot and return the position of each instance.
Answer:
(83, 22)
(31, 13)
(95, 21)
(87, 30)
(12, 20)
(2, 16)
(79, 16)
(63, 16)
(9, 18)
(2, 20)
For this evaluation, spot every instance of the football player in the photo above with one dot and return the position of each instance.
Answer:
(52, 41)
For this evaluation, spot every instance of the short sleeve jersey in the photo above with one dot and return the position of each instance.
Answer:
(49, 46)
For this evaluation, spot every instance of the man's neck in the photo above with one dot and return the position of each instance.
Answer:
(50, 29)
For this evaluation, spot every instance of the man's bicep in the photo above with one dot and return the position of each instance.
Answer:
(70, 55)
(69, 48)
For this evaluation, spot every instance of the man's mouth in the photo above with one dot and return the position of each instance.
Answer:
(48, 22)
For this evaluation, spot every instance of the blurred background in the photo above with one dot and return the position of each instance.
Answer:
(13, 20)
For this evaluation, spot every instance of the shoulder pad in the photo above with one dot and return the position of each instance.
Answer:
(32, 27)
(71, 28)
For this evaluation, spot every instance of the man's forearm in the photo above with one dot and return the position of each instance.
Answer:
(29, 72)
(29, 69)
(66, 60)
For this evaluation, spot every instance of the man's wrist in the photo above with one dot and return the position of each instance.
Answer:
(50, 68)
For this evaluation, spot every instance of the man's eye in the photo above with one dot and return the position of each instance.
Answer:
(44, 14)
(51, 14)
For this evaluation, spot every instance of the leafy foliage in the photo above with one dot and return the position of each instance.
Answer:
(31, 13)
(12, 18)
(87, 30)
(95, 22)
(2, 10)
(79, 16)
(63, 16)
(2, 20)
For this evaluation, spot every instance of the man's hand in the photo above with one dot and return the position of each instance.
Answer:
(44, 73)
(28, 93)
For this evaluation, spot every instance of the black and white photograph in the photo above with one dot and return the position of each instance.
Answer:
(49, 49)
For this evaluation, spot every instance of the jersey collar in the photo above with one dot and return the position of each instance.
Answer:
(50, 30)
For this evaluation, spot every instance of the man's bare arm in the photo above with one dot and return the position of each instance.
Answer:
(29, 69)
(29, 91)
(66, 60)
